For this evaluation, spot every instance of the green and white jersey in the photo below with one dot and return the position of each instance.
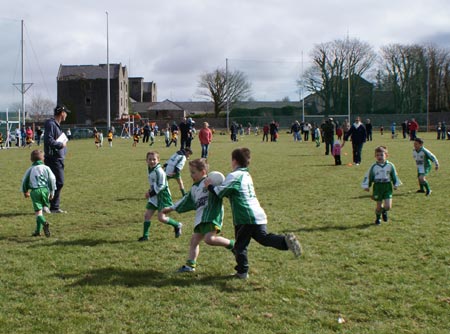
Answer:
(39, 176)
(238, 187)
(158, 182)
(175, 163)
(381, 173)
(209, 208)
(423, 159)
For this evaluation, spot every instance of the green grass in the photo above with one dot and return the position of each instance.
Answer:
(92, 276)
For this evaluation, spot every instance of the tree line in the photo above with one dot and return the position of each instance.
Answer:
(416, 78)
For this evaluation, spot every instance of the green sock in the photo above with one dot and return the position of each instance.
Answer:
(421, 186)
(231, 245)
(147, 228)
(173, 222)
(191, 263)
(183, 192)
(426, 185)
(40, 221)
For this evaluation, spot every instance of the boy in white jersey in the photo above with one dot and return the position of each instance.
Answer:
(158, 196)
(175, 164)
(40, 179)
(249, 218)
(208, 216)
(382, 174)
(423, 159)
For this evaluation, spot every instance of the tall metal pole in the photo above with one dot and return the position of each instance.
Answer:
(301, 90)
(348, 80)
(428, 97)
(23, 76)
(227, 95)
(108, 80)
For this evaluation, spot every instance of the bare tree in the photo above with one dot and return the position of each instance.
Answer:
(220, 88)
(438, 78)
(407, 72)
(39, 108)
(333, 62)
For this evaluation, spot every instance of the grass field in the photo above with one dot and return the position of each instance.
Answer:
(92, 276)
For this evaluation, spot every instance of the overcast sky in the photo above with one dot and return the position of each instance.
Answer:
(172, 42)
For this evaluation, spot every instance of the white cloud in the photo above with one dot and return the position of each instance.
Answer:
(172, 42)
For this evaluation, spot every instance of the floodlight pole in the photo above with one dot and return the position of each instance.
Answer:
(301, 92)
(108, 103)
(348, 79)
(227, 95)
(428, 97)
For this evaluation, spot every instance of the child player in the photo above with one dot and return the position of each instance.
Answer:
(249, 218)
(208, 216)
(158, 197)
(40, 179)
(175, 164)
(382, 175)
(423, 159)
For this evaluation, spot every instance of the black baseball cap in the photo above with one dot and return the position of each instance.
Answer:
(60, 108)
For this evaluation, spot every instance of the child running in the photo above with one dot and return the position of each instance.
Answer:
(208, 217)
(158, 197)
(42, 182)
(382, 174)
(249, 218)
(175, 164)
(423, 159)
(110, 137)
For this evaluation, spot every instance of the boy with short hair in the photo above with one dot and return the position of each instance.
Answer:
(423, 158)
(175, 164)
(208, 216)
(382, 174)
(158, 196)
(249, 218)
(40, 179)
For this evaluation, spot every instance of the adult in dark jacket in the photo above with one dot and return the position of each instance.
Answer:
(55, 152)
(328, 129)
(185, 133)
(358, 133)
(368, 126)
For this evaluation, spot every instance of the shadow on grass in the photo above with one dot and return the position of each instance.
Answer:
(80, 242)
(22, 239)
(369, 195)
(135, 278)
(125, 199)
(333, 228)
(15, 214)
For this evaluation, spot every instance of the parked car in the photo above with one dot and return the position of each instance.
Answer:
(79, 133)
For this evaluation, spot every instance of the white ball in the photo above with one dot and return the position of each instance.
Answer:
(216, 178)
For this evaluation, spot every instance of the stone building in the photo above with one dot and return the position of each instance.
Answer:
(83, 89)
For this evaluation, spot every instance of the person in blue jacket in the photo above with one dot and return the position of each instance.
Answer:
(55, 142)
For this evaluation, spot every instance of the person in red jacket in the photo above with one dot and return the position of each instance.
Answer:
(205, 137)
(413, 127)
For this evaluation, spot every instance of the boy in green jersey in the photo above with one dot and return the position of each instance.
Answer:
(423, 158)
(249, 218)
(382, 174)
(40, 179)
(208, 216)
(158, 196)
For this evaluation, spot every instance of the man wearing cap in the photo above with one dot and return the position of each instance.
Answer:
(55, 143)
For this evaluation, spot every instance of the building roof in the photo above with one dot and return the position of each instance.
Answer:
(166, 105)
(265, 104)
(75, 72)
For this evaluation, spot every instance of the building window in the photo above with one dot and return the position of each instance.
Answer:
(88, 101)
(121, 102)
